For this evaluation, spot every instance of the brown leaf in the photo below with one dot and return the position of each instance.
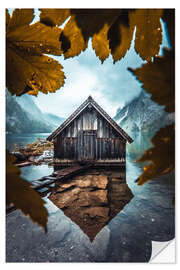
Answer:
(83, 24)
(100, 43)
(126, 38)
(91, 21)
(32, 73)
(72, 39)
(20, 193)
(20, 17)
(161, 157)
(148, 32)
(120, 36)
(115, 37)
(36, 39)
(157, 78)
(54, 16)
(27, 69)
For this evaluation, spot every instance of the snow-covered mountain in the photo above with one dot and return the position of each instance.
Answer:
(28, 104)
(142, 114)
(24, 116)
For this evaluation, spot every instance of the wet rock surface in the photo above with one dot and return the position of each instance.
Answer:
(125, 238)
(91, 201)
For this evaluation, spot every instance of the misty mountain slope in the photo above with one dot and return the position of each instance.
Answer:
(19, 121)
(23, 116)
(15, 116)
(142, 114)
(27, 103)
(54, 119)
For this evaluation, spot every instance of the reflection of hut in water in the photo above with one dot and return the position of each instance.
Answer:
(91, 200)
(90, 135)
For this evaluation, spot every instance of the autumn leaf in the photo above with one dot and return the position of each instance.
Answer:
(100, 43)
(73, 42)
(23, 197)
(27, 69)
(54, 16)
(86, 23)
(36, 39)
(161, 157)
(20, 17)
(158, 79)
(91, 21)
(32, 73)
(114, 38)
(120, 36)
(148, 31)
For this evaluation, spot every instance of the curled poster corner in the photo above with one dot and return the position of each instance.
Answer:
(163, 252)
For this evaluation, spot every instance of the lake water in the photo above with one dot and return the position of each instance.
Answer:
(125, 237)
(22, 139)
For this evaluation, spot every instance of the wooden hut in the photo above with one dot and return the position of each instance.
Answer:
(90, 135)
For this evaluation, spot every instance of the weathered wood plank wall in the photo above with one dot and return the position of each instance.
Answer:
(89, 136)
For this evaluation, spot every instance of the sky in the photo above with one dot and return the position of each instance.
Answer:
(111, 85)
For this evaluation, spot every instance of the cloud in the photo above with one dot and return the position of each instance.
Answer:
(111, 85)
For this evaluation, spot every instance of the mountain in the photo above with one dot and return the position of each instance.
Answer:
(53, 119)
(142, 114)
(27, 103)
(24, 116)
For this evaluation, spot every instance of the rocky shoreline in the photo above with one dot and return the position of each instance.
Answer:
(39, 152)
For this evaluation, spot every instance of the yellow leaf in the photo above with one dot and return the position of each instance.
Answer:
(120, 36)
(54, 16)
(83, 24)
(126, 38)
(20, 193)
(91, 21)
(72, 40)
(27, 69)
(100, 43)
(158, 79)
(20, 17)
(27, 72)
(148, 32)
(161, 157)
(36, 39)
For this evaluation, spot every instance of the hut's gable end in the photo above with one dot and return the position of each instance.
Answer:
(90, 120)
(88, 107)
(90, 134)
(89, 137)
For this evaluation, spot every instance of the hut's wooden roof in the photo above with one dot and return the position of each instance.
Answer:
(87, 102)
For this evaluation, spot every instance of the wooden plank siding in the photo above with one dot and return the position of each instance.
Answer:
(89, 137)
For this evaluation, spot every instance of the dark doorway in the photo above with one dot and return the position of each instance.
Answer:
(87, 145)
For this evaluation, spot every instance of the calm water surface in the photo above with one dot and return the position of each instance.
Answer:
(147, 216)
(13, 140)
